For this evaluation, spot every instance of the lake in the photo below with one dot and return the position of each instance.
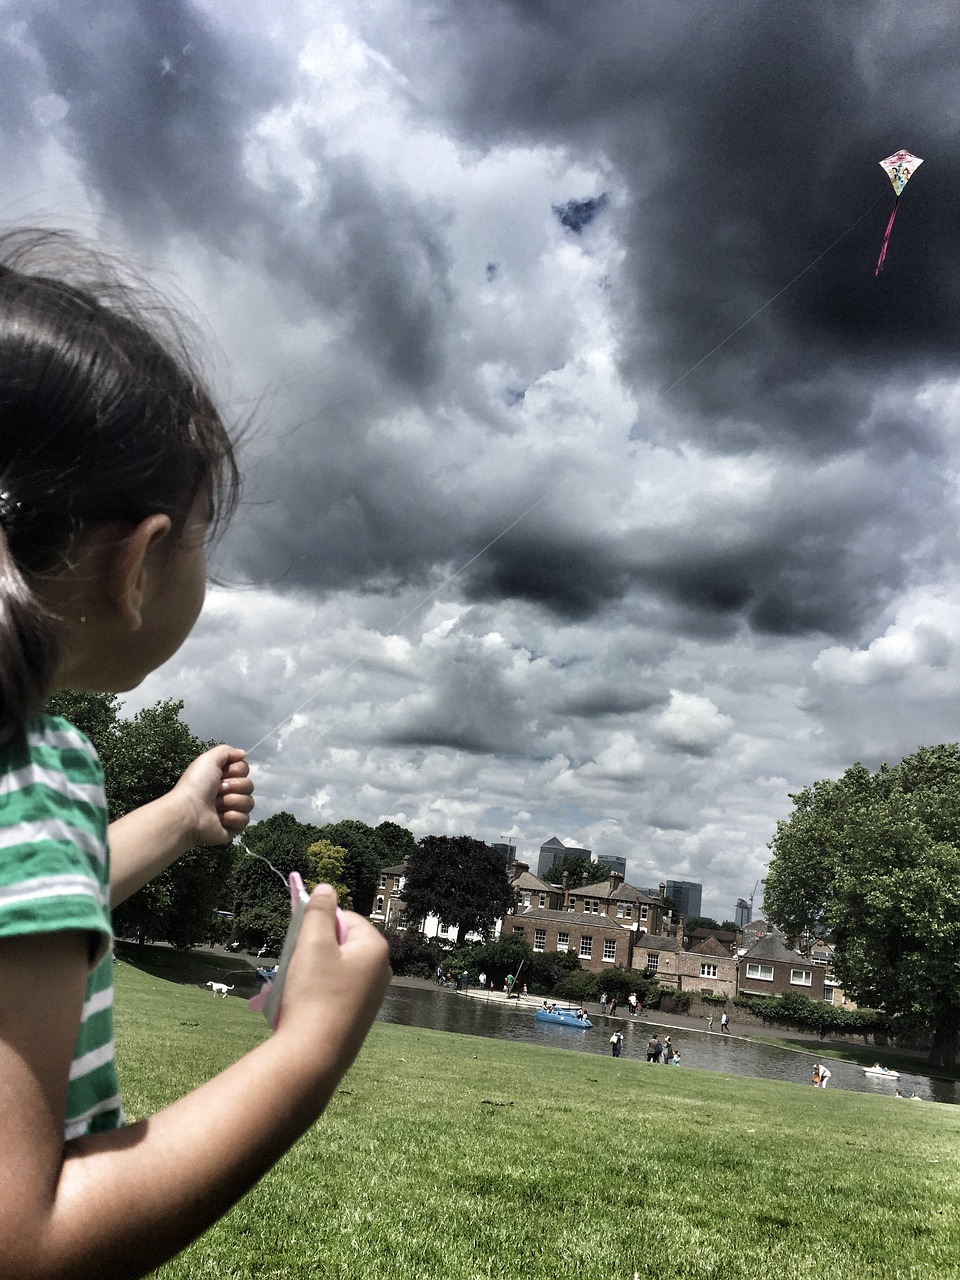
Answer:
(446, 1010)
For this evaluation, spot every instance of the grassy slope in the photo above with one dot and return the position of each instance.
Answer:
(456, 1157)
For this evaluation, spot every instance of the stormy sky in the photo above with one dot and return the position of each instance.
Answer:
(514, 557)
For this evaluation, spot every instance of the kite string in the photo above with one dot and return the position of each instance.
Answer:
(770, 301)
(554, 487)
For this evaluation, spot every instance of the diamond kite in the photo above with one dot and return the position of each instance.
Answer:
(899, 167)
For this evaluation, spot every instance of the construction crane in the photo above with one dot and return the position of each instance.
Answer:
(752, 894)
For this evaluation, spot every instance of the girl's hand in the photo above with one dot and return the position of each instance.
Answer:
(217, 791)
(333, 990)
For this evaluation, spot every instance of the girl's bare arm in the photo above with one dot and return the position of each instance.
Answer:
(209, 805)
(119, 1204)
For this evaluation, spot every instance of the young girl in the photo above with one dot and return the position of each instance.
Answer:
(114, 467)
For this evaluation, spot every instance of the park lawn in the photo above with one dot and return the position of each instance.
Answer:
(448, 1157)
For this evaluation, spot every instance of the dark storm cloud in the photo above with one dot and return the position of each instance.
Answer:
(748, 137)
(158, 108)
(744, 139)
(160, 111)
(613, 700)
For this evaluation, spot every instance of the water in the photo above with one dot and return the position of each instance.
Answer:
(444, 1010)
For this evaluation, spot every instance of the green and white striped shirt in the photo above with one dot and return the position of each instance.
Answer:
(55, 875)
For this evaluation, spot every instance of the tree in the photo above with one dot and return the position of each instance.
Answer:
(143, 757)
(365, 854)
(461, 880)
(580, 871)
(873, 861)
(326, 867)
(398, 841)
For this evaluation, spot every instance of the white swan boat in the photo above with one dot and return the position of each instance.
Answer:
(882, 1072)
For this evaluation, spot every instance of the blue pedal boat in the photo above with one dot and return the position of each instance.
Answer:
(564, 1018)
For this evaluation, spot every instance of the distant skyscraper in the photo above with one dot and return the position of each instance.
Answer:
(686, 895)
(554, 850)
(610, 863)
(507, 850)
(742, 915)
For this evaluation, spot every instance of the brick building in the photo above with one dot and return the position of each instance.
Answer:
(599, 923)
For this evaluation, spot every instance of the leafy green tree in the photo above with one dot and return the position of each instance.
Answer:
(397, 840)
(143, 757)
(873, 861)
(461, 880)
(580, 871)
(365, 854)
(326, 863)
(261, 898)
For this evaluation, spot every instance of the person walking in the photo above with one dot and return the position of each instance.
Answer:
(724, 1023)
(652, 1049)
(482, 979)
(616, 1043)
(632, 1002)
(603, 1003)
(710, 1023)
(613, 1005)
(667, 1052)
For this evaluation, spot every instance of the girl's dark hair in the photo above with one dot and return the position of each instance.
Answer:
(103, 418)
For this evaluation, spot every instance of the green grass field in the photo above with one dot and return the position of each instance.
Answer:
(448, 1157)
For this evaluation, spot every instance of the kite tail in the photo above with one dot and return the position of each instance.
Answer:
(886, 237)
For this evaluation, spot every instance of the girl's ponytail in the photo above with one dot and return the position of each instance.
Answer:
(28, 645)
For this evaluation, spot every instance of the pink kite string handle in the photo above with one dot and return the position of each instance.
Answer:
(886, 238)
(268, 998)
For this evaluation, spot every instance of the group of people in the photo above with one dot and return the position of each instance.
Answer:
(724, 1023)
(662, 1051)
(609, 1004)
(657, 1050)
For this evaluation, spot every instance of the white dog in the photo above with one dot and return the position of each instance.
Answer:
(219, 988)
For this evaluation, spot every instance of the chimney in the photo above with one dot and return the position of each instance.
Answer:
(663, 891)
(680, 933)
(616, 879)
(566, 892)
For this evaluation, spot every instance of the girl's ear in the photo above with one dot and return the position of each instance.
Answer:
(130, 563)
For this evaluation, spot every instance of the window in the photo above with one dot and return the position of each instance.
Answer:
(563, 941)
(801, 977)
(543, 900)
(762, 971)
(592, 905)
(644, 911)
(379, 910)
(586, 948)
(525, 898)
(708, 970)
(539, 939)
(518, 928)
(624, 911)
(383, 880)
(653, 962)
(609, 948)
